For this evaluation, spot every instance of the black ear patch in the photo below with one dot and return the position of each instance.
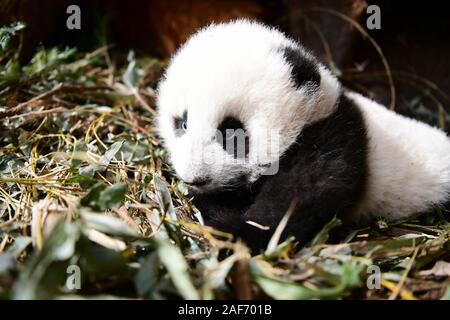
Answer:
(304, 70)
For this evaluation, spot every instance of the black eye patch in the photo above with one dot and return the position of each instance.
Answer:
(233, 137)
(180, 124)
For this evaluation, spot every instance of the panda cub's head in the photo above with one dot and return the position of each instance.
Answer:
(234, 98)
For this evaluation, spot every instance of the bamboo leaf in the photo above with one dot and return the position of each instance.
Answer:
(173, 260)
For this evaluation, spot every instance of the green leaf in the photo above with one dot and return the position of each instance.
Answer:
(166, 206)
(46, 270)
(284, 290)
(322, 236)
(217, 278)
(101, 197)
(163, 197)
(90, 170)
(20, 244)
(135, 152)
(182, 187)
(7, 32)
(131, 77)
(280, 249)
(91, 199)
(100, 262)
(112, 196)
(110, 153)
(9, 163)
(446, 295)
(46, 60)
(147, 277)
(108, 224)
(7, 263)
(173, 260)
(288, 290)
(85, 182)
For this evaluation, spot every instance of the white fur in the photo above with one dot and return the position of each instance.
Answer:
(409, 163)
(235, 69)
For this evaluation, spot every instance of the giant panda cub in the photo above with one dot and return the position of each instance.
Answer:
(257, 127)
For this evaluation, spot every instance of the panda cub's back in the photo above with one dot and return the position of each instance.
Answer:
(408, 163)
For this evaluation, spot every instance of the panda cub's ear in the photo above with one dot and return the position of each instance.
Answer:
(305, 70)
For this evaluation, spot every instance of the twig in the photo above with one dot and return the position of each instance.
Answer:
(241, 280)
(39, 113)
(280, 228)
(372, 41)
(123, 213)
(142, 101)
(26, 180)
(57, 89)
(322, 38)
(397, 290)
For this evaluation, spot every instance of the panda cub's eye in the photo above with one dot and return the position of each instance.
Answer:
(233, 136)
(180, 124)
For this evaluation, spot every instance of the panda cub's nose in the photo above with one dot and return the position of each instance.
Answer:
(198, 182)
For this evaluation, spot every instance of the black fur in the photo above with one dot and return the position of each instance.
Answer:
(233, 137)
(304, 68)
(325, 171)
